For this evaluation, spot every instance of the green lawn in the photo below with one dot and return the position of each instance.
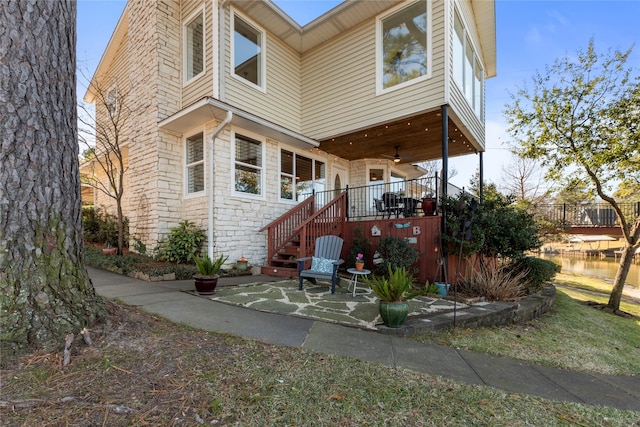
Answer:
(144, 370)
(572, 336)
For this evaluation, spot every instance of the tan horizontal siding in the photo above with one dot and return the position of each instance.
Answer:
(339, 83)
(281, 102)
(463, 110)
(203, 85)
(457, 101)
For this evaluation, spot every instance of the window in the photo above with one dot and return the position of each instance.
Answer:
(194, 46)
(403, 39)
(300, 176)
(458, 51)
(195, 163)
(248, 165)
(467, 70)
(111, 100)
(248, 52)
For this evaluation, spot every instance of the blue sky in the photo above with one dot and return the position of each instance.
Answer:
(530, 35)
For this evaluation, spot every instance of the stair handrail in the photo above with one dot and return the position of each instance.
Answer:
(333, 226)
(283, 229)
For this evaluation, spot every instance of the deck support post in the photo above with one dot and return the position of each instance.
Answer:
(444, 179)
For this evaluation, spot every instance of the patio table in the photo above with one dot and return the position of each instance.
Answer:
(354, 280)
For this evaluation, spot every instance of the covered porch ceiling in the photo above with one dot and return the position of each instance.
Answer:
(418, 138)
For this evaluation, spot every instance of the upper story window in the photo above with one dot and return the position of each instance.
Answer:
(300, 176)
(194, 46)
(194, 163)
(467, 70)
(403, 45)
(111, 100)
(248, 165)
(248, 52)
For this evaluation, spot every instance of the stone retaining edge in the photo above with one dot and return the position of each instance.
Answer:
(496, 313)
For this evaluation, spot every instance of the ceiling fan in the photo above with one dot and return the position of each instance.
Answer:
(396, 157)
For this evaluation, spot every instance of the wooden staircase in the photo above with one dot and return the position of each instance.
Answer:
(293, 235)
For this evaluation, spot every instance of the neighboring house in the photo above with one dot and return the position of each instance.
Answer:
(239, 111)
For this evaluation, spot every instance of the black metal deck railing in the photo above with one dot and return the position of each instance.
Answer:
(584, 215)
(402, 198)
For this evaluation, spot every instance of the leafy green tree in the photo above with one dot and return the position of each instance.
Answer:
(509, 230)
(582, 119)
(575, 192)
(499, 227)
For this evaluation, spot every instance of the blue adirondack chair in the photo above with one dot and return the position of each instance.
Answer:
(324, 263)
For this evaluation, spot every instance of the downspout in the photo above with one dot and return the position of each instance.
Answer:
(211, 221)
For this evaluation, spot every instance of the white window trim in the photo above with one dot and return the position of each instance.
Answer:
(466, 35)
(263, 48)
(185, 23)
(185, 167)
(304, 153)
(280, 173)
(263, 146)
(380, 56)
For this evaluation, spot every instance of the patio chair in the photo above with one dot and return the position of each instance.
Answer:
(381, 208)
(324, 262)
(393, 203)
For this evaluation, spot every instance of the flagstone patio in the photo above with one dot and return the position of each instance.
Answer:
(317, 302)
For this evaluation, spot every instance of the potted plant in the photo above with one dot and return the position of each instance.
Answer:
(241, 264)
(393, 291)
(206, 279)
(359, 262)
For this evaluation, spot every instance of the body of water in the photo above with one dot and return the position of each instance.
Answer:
(592, 266)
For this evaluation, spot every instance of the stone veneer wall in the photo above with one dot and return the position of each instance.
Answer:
(154, 73)
(156, 174)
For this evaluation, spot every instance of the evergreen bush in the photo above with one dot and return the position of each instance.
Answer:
(538, 272)
(183, 244)
(396, 252)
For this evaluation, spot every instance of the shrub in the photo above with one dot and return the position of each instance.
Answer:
(91, 224)
(461, 211)
(183, 244)
(139, 246)
(134, 263)
(359, 245)
(396, 286)
(497, 227)
(537, 272)
(396, 253)
(494, 282)
(102, 227)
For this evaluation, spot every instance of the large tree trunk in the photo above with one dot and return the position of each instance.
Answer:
(45, 291)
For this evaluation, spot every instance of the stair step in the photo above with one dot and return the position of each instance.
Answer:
(283, 261)
(270, 270)
(289, 250)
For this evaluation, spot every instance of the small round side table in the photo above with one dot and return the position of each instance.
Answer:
(354, 280)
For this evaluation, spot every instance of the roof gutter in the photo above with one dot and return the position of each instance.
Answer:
(211, 222)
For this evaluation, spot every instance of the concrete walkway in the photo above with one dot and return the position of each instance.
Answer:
(168, 299)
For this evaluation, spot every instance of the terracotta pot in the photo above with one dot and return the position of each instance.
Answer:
(393, 313)
(359, 266)
(205, 285)
(109, 251)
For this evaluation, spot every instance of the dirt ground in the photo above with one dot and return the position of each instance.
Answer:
(139, 370)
